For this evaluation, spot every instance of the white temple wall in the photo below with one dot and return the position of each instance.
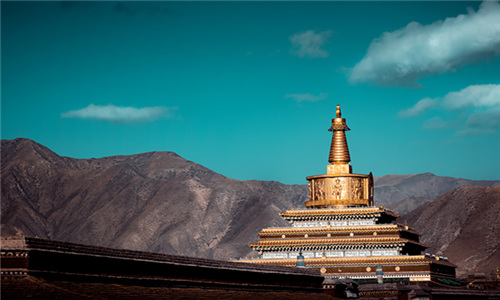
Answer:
(346, 253)
(309, 224)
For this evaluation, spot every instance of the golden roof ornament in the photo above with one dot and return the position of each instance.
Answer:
(339, 151)
(340, 187)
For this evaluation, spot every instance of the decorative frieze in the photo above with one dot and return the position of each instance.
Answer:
(340, 190)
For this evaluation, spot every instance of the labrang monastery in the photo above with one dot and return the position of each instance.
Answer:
(343, 235)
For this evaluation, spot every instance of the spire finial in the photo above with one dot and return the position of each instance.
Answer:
(339, 151)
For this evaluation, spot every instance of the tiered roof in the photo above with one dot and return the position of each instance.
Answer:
(334, 230)
(399, 260)
(337, 213)
(353, 242)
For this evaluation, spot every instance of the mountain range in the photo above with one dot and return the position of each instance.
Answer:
(161, 202)
(403, 193)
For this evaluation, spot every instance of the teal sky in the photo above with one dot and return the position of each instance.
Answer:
(248, 89)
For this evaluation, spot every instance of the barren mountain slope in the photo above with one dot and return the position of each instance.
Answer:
(403, 193)
(154, 201)
(160, 202)
(465, 225)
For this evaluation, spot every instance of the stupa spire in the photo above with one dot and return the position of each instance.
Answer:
(339, 151)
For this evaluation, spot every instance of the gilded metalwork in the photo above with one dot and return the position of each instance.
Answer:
(337, 242)
(339, 151)
(339, 168)
(366, 229)
(356, 188)
(370, 188)
(336, 211)
(339, 190)
(340, 212)
(339, 187)
(319, 189)
(338, 123)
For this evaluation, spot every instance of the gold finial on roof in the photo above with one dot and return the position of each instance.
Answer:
(338, 124)
(339, 151)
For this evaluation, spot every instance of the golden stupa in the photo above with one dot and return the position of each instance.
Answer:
(343, 235)
(339, 187)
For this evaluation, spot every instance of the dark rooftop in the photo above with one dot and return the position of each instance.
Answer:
(38, 269)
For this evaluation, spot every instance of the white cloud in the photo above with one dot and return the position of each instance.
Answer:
(420, 107)
(119, 114)
(307, 97)
(308, 43)
(401, 57)
(476, 109)
(487, 95)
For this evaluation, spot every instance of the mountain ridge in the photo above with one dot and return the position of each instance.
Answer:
(154, 201)
(47, 187)
(406, 192)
